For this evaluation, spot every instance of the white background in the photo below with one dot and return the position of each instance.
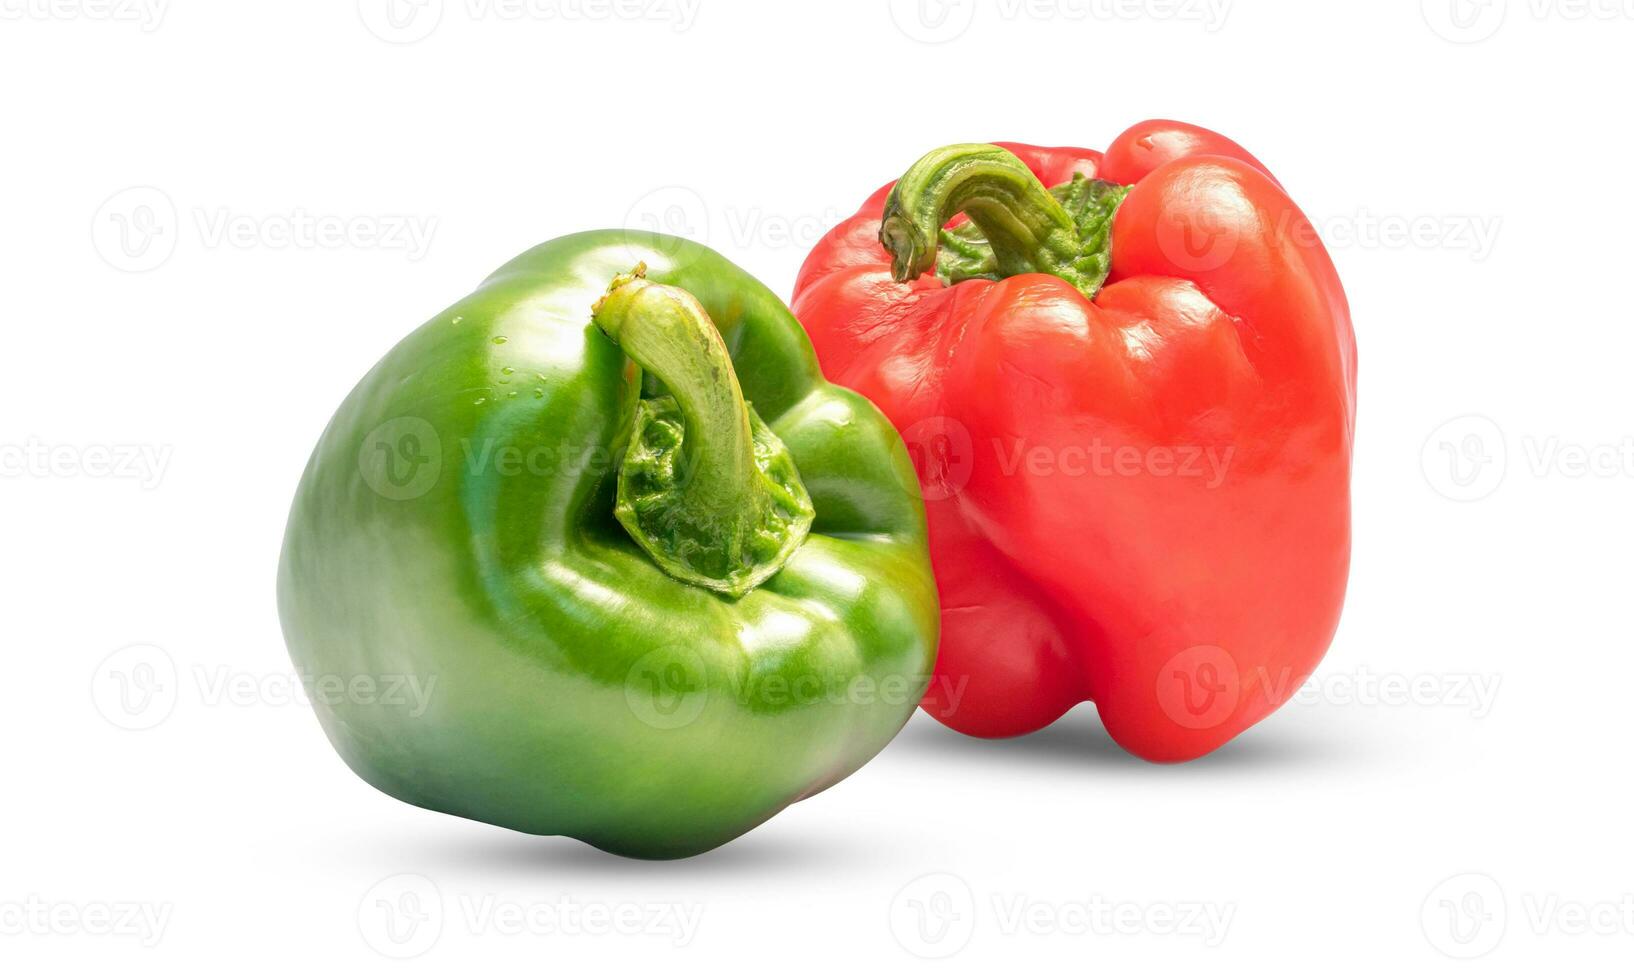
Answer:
(1454, 783)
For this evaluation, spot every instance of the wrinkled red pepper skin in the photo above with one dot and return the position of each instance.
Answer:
(1086, 543)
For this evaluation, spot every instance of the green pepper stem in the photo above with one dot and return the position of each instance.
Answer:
(706, 488)
(669, 334)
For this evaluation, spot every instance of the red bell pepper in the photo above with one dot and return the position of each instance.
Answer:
(1131, 399)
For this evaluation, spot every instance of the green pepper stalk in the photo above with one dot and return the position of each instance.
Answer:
(707, 489)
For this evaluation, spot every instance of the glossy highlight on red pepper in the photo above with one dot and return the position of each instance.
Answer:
(1131, 402)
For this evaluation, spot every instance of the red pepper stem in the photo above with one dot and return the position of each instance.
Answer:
(1028, 229)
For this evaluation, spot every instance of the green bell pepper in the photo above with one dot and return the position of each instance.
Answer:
(617, 597)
